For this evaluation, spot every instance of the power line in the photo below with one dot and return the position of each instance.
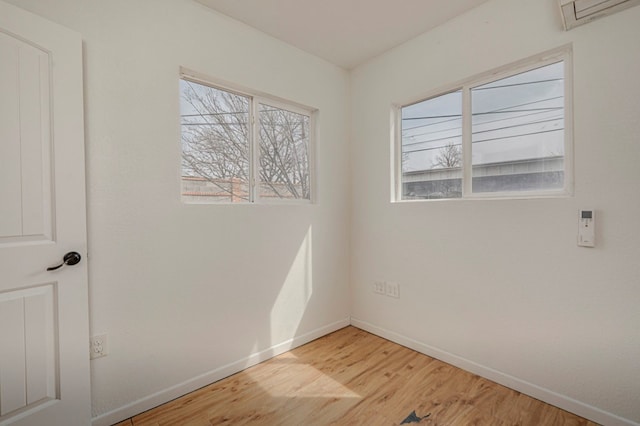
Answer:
(517, 84)
(517, 136)
(486, 131)
(432, 124)
(432, 116)
(488, 88)
(518, 110)
(500, 109)
(484, 122)
(484, 140)
(459, 116)
(497, 111)
(433, 140)
(215, 124)
(548, 120)
(216, 113)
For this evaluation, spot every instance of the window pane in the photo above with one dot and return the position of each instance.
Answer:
(284, 153)
(215, 144)
(518, 132)
(432, 148)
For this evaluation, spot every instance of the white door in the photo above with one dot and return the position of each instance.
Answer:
(44, 356)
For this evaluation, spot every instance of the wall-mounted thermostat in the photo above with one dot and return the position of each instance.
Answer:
(587, 228)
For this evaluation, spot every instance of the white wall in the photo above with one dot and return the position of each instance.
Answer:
(496, 286)
(500, 287)
(183, 290)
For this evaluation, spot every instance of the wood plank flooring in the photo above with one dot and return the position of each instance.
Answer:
(351, 377)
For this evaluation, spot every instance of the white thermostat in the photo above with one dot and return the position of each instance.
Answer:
(587, 228)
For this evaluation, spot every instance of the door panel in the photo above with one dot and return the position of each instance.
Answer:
(44, 356)
(25, 185)
(28, 369)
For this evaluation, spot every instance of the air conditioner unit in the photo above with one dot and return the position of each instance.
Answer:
(578, 12)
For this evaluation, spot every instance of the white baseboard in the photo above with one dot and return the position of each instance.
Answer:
(581, 409)
(205, 379)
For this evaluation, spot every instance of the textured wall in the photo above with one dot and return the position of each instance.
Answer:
(501, 283)
(186, 289)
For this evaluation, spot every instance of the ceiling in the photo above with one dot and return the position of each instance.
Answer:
(344, 32)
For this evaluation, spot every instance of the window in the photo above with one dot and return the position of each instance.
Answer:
(238, 147)
(506, 135)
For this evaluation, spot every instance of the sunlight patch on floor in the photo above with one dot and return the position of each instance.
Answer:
(283, 383)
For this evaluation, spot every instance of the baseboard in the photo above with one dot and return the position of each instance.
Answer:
(581, 409)
(205, 379)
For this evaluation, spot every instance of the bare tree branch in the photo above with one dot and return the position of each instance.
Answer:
(216, 143)
(448, 156)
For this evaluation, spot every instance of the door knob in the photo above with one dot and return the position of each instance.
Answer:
(71, 258)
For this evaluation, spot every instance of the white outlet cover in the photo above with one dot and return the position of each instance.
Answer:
(98, 346)
(392, 289)
(379, 287)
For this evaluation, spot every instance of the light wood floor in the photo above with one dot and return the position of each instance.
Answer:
(351, 377)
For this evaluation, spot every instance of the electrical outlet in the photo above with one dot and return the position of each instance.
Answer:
(98, 346)
(378, 287)
(392, 289)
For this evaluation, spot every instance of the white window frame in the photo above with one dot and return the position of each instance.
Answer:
(255, 99)
(564, 54)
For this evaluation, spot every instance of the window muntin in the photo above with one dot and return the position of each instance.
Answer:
(501, 135)
(239, 148)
